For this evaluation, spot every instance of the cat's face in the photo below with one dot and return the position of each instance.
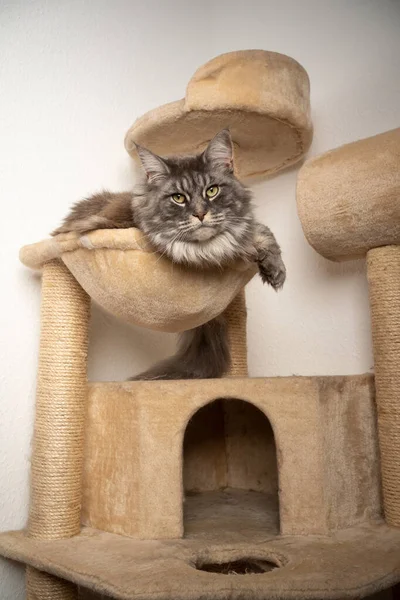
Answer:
(194, 205)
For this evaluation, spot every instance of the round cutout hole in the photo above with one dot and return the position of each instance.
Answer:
(241, 566)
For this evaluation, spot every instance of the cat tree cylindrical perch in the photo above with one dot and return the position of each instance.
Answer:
(55, 506)
(349, 205)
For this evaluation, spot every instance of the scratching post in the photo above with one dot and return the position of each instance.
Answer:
(42, 586)
(384, 289)
(60, 406)
(55, 506)
(236, 320)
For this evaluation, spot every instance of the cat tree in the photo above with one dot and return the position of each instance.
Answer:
(171, 489)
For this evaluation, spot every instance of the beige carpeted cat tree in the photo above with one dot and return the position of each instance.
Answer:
(230, 488)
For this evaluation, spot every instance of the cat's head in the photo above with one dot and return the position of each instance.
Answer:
(193, 208)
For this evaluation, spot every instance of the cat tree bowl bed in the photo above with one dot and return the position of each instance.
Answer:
(228, 488)
(123, 274)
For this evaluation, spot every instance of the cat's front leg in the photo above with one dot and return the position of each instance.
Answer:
(269, 257)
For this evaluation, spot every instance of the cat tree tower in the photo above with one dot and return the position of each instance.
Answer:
(236, 487)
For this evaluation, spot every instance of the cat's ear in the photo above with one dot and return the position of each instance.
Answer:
(154, 166)
(219, 151)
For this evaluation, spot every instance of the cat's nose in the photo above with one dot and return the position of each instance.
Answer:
(200, 214)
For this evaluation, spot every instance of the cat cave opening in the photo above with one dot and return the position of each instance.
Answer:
(240, 566)
(230, 474)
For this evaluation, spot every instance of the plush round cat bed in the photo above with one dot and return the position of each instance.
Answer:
(262, 97)
(121, 272)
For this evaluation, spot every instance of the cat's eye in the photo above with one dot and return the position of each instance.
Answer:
(179, 198)
(212, 191)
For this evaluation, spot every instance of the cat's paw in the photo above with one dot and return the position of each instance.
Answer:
(272, 270)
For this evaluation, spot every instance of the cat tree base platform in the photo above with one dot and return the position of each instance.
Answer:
(352, 563)
(183, 481)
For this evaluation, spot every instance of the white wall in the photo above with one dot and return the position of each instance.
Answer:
(74, 75)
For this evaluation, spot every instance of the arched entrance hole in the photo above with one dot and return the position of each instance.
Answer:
(230, 475)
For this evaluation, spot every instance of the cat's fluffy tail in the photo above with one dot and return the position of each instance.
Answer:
(203, 353)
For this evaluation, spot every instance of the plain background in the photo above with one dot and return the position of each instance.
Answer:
(74, 76)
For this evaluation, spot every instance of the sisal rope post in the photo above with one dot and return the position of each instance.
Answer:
(57, 454)
(383, 266)
(236, 320)
(42, 586)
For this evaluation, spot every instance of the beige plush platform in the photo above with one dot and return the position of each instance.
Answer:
(263, 97)
(350, 564)
(349, 198)
(121, 272)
